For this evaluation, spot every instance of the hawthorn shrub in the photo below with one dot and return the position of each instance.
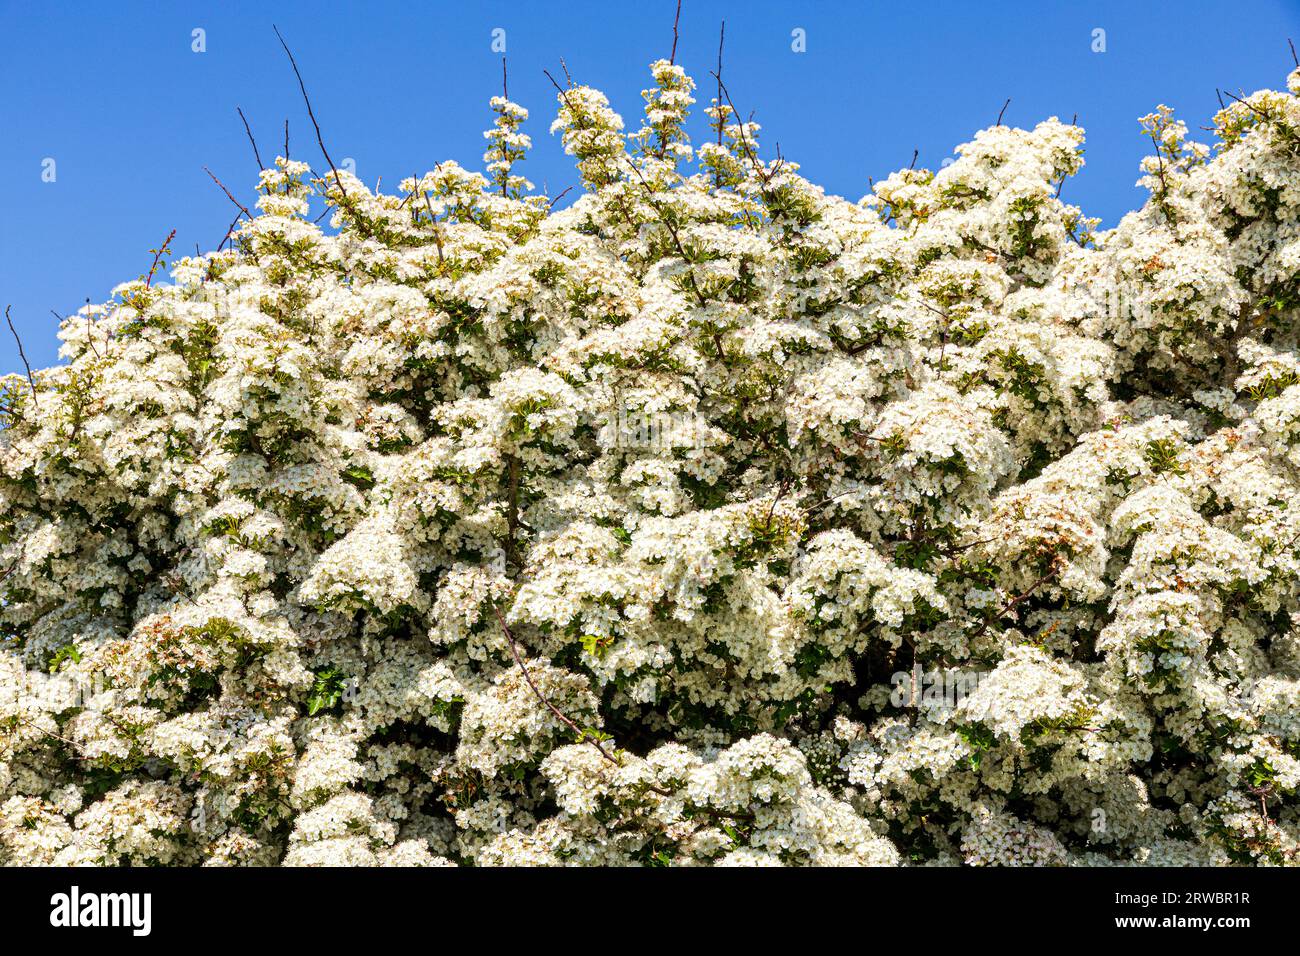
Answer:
(711, 519)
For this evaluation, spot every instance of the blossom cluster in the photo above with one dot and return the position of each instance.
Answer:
(466, 529)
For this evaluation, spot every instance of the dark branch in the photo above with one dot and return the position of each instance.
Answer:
(672, 57)
(583, 736)
(23, 355)
(242, 208)
(159, 253)
(256, 154)
(310, 113)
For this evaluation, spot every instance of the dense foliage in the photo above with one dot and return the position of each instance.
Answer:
(711, 519)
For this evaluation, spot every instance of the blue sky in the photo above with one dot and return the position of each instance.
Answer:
(130, 114)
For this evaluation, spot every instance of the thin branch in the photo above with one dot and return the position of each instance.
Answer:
(551, 204)
(722, 36)
(677, 240)
(243, 210)
(780, 493)
(586, 736)
(23, 355)
(229, 232)
(1294, 58)
(302, 86)
(583, 736)
(505, 95)
(1249, 105)
(763, 174)
(242, 207)
(915, 154)
(672, 58)
(49, 733)
(1003, 110)
(90, 337)
(160, 252)
(563, 93)
(249, 131)
(512, 514)
(433, 219)
(286, 137)
(1018, 600)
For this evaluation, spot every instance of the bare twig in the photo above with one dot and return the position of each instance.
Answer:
(1294, 58)
(311, 115)
(763, 174)
(242, 208)
(1003, 110)
(672, 57)
(229, 233)
(256, 154)
(722, 35)
(286, 137)
(505, 95)
(551, 204)
(23, 355)
(915, 154)
(1249, 105)
(563, 93)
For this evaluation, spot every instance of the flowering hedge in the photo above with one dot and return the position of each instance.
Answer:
(711, 519)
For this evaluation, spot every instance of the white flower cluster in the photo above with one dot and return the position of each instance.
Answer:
(466, 530)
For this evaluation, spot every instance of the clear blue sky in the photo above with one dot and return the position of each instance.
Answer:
(130, 114)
